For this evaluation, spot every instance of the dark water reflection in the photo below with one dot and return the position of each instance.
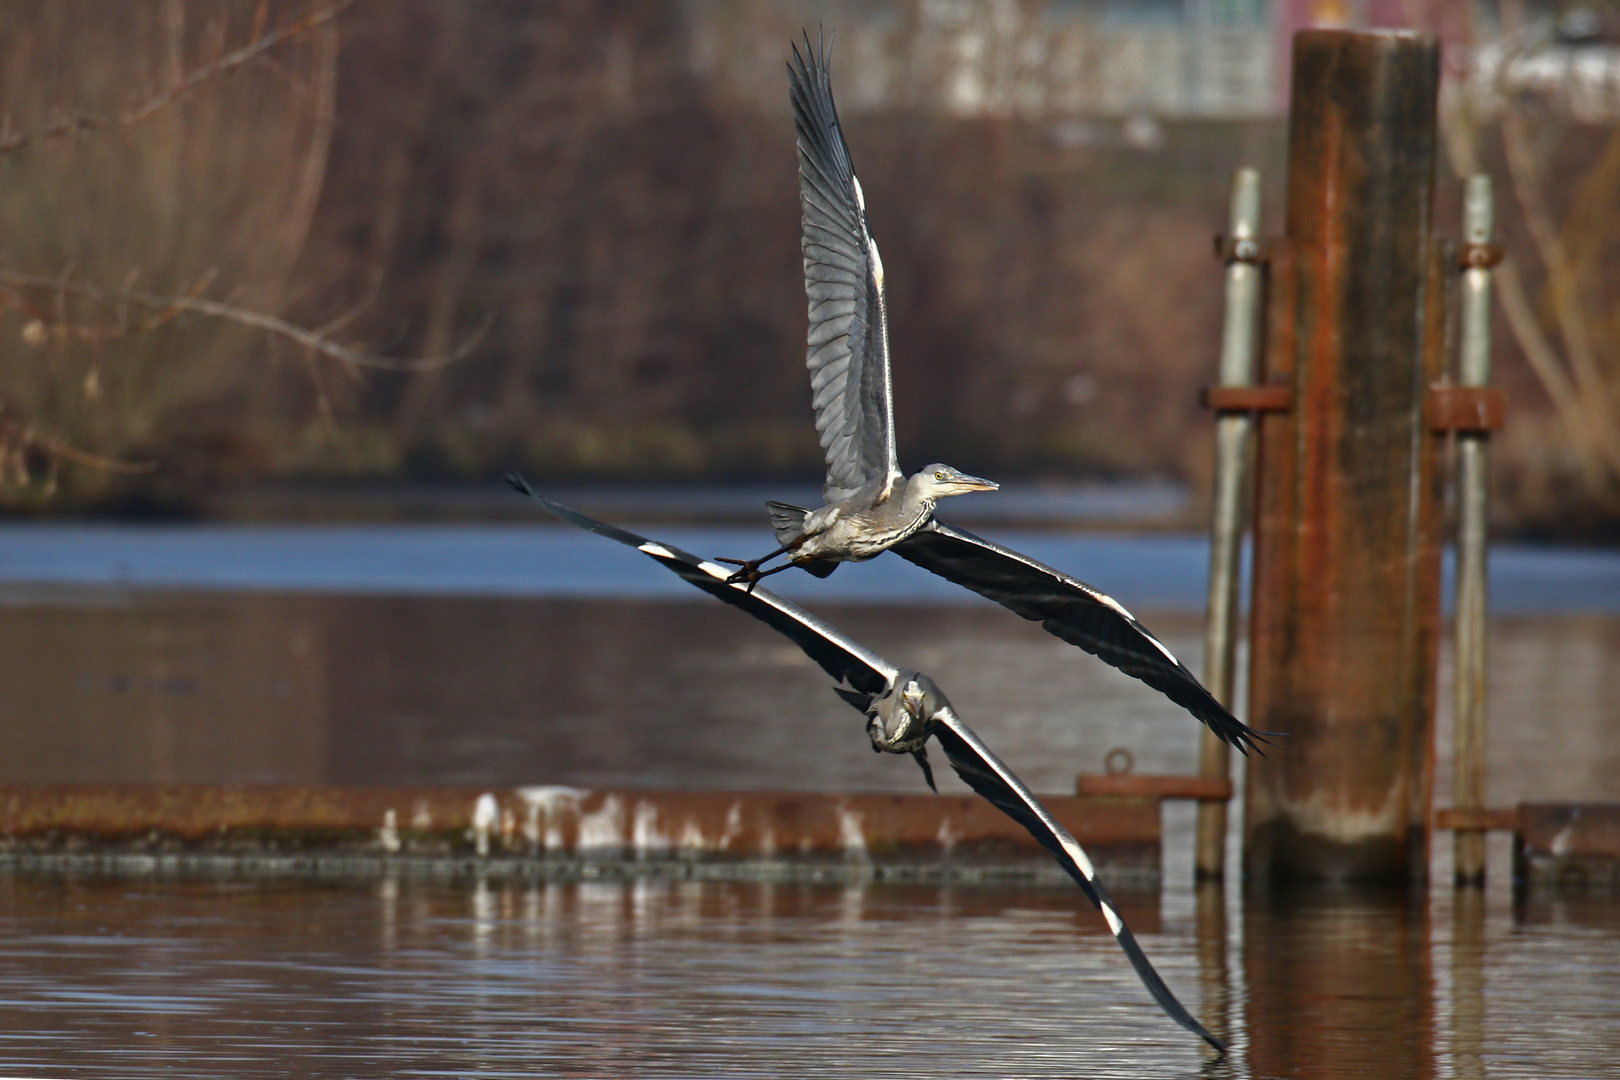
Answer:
(241, 687)
(660, 979)
(224, 687)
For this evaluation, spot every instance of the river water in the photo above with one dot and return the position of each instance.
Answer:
(489, 655)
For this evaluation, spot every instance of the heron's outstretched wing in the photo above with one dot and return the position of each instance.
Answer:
(843, 659)
(848, 353)
(985, 774)
(870, 674)
(1075, 612)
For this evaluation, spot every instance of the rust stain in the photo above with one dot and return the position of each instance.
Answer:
(1346, 601)
(558, 821)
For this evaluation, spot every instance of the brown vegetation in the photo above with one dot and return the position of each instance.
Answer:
(573, 177)
(135, 182)
(1558, 213)
(633, 227)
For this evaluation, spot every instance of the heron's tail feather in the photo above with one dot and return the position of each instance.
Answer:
(787, 520)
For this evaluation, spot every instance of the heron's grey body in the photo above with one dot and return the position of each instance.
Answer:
(868, 523)
(904, 709)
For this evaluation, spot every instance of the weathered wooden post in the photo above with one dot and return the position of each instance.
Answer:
(1345, 611)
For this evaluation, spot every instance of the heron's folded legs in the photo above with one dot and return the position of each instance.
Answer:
(751, 572)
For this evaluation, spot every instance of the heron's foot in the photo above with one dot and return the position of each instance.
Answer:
(749, 572)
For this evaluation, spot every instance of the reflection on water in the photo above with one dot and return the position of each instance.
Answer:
(1370, 957)
(654, 979)
(109, 686)
(227, 687)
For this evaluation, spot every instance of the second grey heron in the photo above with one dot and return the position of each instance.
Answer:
(904, 709)
(870, 506)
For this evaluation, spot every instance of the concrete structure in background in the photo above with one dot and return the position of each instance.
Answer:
(1139, 60)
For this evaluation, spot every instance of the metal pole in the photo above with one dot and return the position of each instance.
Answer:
(1238, 340)
(1345, 613)
(1473, 369)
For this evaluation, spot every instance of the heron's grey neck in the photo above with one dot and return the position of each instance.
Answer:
(917, 496)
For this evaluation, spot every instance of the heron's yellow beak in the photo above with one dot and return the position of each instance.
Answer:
(973, 483)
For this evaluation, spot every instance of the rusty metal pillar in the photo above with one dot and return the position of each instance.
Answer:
(1346, 589)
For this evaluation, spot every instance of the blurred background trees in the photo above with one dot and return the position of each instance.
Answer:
(116, 178)
(609, 187)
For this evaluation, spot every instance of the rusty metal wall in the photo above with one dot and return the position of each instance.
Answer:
(567, 829)
(1346, 586)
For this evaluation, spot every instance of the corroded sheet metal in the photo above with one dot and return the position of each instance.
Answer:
(564, 822)
(1568, 844)
(1214, 788)
(1346, 569)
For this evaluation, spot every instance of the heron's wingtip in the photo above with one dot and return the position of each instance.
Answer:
(518, 484)
(1259, 740)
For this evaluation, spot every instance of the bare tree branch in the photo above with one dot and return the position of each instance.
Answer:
(261, 44)
(15, 436)
(172, 305)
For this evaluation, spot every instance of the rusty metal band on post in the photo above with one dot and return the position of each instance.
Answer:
(1466, 410)
(1267, 397)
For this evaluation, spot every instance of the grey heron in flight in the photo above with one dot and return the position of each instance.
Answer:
(870, 506)
(904, 709)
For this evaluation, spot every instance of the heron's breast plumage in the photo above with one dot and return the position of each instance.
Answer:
(854, 536)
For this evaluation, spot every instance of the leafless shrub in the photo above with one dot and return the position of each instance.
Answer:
(159, 158)
(1558, 175)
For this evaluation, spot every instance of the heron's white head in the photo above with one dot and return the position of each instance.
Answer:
(938, 481)
(899, 721)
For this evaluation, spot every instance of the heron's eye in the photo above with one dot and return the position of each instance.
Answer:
(939, 476)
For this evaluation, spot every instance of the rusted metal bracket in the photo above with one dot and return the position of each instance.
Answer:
(1242, 249)
(1478, 256)
(1465, 409)
(1265, 397)
(1157, 787)
(1483, 819)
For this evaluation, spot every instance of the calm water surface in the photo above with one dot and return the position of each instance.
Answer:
(109, 686)
(406, 978)
(111, 679)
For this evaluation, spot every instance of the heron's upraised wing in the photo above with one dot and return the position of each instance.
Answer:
(984, 773)
(843, 659)
(848, 353)
(1075, 612)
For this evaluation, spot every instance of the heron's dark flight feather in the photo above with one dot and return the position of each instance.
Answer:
(985, 773)
(869, 675)
(1075, 612)
(847, 351)
(840, 657)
